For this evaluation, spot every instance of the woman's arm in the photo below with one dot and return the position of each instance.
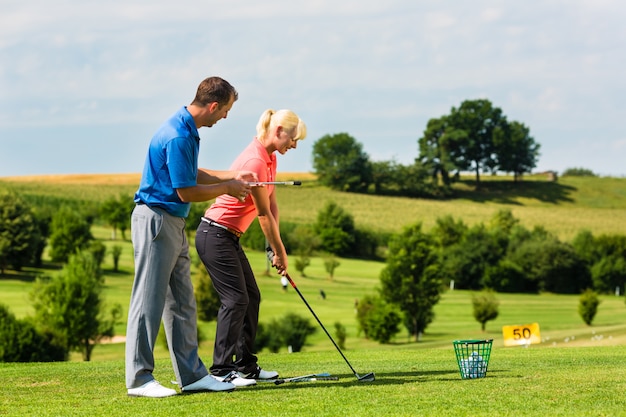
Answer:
(267, 212)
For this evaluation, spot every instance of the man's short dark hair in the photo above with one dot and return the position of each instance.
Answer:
(215, 89)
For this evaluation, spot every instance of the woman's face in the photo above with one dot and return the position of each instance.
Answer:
(285, 140)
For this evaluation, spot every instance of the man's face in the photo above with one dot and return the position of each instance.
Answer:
(219, 112)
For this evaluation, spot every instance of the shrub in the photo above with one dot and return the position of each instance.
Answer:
(485, 307)
(340, 334)
(377, 319)
(70, 232)
(578, 172)
(609, 273)
(507, 276)
(21, 342)
(290, 330)
(552, 266)
(330, 264)
(588, 306)
(294, 330)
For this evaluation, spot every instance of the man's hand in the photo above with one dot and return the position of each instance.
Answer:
(248, 176)
(238, 189)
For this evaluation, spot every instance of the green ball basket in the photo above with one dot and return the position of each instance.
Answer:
(472, 357)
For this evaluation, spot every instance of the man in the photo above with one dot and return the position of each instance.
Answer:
(162, 288)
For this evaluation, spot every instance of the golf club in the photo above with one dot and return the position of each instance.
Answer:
(361, 378)
(261, 183)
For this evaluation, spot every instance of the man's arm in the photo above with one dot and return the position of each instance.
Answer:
(207, 176)
(215, 183)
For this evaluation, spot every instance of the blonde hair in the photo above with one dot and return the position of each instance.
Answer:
(285, 118)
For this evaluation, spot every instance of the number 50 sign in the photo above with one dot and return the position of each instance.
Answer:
(521, 335)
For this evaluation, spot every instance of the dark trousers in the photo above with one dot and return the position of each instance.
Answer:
(234, 281)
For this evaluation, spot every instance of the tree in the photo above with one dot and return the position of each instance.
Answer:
(70, 232)
(552, 266)
(432, 149)
(116, 253)
(467, 261)
(117, 213)
(516, 151)
(335, 229)
(341, 164)
(383, 175)
(305, 241)
(411, 180)
(609, 273)
(470, 141)
(330, 264)
(410, 278)
(485, 307)
(20, 235)
(448, 232)
(588, 306)
(70, 305)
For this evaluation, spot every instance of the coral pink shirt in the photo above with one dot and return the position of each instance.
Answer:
(230, 211)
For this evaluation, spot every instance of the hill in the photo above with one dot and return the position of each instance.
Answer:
(564, 208)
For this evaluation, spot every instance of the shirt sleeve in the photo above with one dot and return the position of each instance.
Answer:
(259, 166)
(182, 162)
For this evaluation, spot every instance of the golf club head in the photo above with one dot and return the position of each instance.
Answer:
(366, 378)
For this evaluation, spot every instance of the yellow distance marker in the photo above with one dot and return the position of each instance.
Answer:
(522, 335)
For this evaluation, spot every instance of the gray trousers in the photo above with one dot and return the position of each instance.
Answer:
(162, 289)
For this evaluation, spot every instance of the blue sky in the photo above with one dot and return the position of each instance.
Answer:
(84, 84)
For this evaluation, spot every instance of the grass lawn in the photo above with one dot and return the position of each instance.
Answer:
(576, 370)
(578, 381)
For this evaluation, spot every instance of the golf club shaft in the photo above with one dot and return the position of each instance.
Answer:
(261, 183)
(293, 284)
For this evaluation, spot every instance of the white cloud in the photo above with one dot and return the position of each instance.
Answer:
(378, 69)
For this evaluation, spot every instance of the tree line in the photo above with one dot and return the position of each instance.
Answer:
(476, 137)
(71, 313)
(500, 256)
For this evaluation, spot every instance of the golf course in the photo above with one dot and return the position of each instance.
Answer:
(574, 370)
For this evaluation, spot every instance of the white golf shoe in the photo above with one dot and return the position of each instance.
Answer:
(206, 384)
(151, 389)
(259, 373)
(235, 379)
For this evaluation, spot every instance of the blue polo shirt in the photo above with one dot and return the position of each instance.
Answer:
(171, 163)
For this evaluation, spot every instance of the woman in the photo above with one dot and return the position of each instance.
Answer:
(217, 243)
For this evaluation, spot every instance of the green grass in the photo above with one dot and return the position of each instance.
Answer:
(564, 207)
(582, 381)
(576, 370)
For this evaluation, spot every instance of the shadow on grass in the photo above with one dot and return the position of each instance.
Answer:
(382, 378)
(507, 192)
(28, 274)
